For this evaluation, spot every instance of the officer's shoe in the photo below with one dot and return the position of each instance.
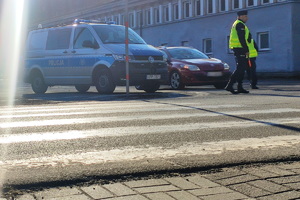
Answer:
(242, 90)
(230, 89)
(254, 87)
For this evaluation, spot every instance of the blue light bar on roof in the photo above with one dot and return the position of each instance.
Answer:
(78, 21)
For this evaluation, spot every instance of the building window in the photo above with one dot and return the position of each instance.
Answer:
(157, 15)
(185, 43)
(264, 41)
(148, 16)
(116, 19)
(176, 11)
(198, 7)
(187, 11)
(250, 2)
(167, 13)
(139, 21)
(131, 20)
(210, 6)
(122, 22)
(265, 1)
(207, 46)
(222, 4)
(236, 4)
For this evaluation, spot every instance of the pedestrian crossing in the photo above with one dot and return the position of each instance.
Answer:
(155, 125)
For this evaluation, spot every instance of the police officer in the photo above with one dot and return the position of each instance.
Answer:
(251, 70)
(242, 44)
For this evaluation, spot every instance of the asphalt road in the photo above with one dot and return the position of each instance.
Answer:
(66, 136)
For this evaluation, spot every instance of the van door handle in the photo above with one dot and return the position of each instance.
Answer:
(65, 52)
(73, 51)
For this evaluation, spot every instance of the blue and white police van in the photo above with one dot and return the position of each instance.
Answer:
(91, 53)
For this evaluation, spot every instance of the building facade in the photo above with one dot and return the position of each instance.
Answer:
(203, 24)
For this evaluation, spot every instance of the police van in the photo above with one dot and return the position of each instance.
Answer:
(91, 53)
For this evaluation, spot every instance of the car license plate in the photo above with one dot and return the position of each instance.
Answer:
(153, 76)
(214, 74)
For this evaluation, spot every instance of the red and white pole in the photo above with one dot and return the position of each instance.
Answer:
(127, 48)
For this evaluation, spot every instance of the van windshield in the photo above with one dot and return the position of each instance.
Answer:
(110, 34)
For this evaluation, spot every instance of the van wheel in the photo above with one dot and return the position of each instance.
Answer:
(175, 81)
(82, 88)
(152, 88)
(148, 88)
(139, 87)
(104, 82)
(38, 84)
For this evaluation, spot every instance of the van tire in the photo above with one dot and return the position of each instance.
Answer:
(104, 82)
(38, 84)
(149, 88)
(82, 88)
(152, 88)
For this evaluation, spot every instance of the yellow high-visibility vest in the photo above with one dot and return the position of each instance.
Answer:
(234, 41)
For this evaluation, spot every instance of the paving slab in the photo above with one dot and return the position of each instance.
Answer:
(56, 193)
(97, 192)
(183, 195)
(249, 190)
(282, 196)
(159, 196)
(182, 183)
(268, 182)
(119, 189)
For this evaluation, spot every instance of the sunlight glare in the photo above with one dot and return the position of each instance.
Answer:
(12, 33)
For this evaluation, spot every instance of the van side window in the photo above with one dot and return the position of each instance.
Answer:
(58, 39)
(37, 41)
(82, 35)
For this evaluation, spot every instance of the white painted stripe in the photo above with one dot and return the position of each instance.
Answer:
(105, 110)
(137, 117)
(131, 153)
(139, 130)
(109, 107)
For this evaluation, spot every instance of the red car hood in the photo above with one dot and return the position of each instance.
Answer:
(204, 64)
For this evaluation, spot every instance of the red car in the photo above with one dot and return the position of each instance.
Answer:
(190, 67)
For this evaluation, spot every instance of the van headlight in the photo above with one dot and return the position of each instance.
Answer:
(190, 67)
(226, 66)
(119, 57)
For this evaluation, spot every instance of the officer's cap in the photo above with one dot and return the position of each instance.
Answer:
(242, 12)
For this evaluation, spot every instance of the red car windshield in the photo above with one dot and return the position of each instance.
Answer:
(186, 53)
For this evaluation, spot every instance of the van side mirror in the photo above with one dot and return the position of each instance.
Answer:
(89, 44)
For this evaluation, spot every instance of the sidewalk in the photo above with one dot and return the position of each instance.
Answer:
(265, 182)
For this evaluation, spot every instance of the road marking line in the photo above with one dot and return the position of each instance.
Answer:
(94, 110)
(110, 108)
(139, 130)
(131, 153)
(85, 120)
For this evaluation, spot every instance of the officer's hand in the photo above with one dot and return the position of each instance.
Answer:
(247, 54)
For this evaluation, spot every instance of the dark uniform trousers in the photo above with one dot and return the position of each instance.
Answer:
(251, 72)
(241, 67)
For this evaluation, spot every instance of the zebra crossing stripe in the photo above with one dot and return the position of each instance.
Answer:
(85, 120)
(142, 130)
(152, 152)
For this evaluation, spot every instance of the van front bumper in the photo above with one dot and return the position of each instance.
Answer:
(140, 73)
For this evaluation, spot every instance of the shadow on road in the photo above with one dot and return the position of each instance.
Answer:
(92, 96)
(286, 127)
